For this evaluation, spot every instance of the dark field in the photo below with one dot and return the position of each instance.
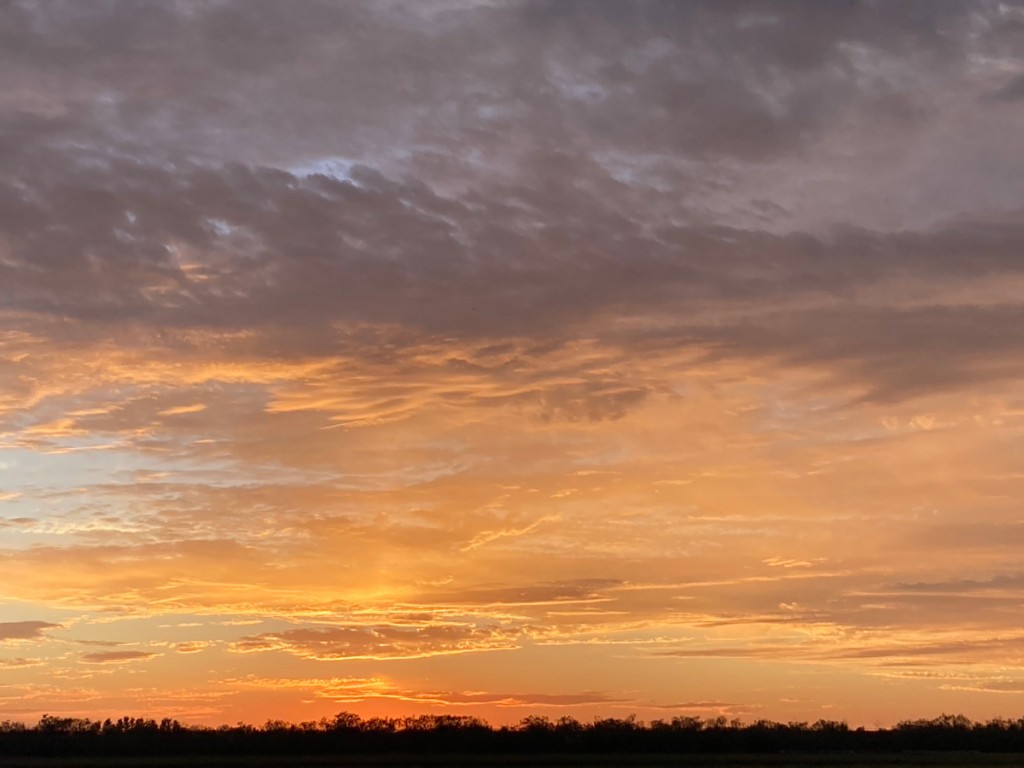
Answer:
(803, 760)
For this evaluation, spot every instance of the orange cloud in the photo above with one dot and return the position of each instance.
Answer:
(116, 657)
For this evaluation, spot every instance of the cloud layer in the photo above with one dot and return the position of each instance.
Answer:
(403, 355)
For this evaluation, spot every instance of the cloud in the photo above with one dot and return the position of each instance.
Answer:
(1008, 584)
(355, 689)
(486, 537)
(524, 700)
(181, 410)
(25, 630)
(191, 646)
(544, 594)
(698, 706)
(693, 288)
(21, 663)
(381, 642)
(1011, 91)
(116, 657)
(988, 686)
(911, 652)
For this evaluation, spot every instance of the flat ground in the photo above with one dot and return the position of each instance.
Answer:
(793, 760)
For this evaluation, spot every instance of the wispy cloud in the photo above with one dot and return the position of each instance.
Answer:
(116, 657)
(381, 642)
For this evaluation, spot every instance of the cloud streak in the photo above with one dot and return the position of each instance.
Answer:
(25, 630)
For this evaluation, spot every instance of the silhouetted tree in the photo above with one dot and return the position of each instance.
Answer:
(442, 734)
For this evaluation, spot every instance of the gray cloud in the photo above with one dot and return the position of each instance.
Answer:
(235, 77)
(24, 630)
(326, 267)
(145, 190)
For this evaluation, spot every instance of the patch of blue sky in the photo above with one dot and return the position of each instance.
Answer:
(64, 465)
(71, 463)
(336, 167)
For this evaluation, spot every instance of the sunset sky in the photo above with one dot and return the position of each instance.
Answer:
(499, 358)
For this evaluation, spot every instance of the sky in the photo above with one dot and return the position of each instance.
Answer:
(571, 358)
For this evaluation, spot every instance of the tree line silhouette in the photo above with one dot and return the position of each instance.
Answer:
(347, 733)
